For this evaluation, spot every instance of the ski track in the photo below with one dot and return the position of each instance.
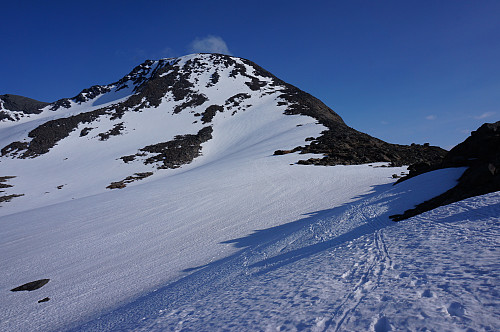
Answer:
(437, 271)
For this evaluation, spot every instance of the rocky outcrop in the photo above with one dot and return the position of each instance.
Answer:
(115, 131)
(45, 136)
(175, 153)
(18, 105)
(342, 145)
(4, 185)
(31, 286)
(210, 112)
(480, 153)
(129, 179)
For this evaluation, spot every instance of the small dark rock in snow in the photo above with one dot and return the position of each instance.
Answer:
(45, 299)
(31, 285)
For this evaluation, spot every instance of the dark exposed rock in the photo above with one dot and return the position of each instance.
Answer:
(238, 69)
(259, 71)
(127, 159)
(482, 146)
(256, 84)
(85, 131)
(8, 198)
(195, 99)
(65, 102)
(341, 145)
(210, 112)
(3, 185)
(214, 79)
(179, 151)
(14, 147)
(150, 92)
(236, 100)
(137, 76)
(91, 93)
(129, 179)
(45, 299)
(481, 154)
(45, 136)
(4, 179)
(300, 102)
(175, 153)
(20, 104)
(282, 152)
(115, 131)
(31, 286)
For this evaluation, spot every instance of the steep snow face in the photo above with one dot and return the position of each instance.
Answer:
(201, 107)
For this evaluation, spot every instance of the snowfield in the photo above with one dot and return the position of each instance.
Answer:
(435, 272)
(238, 239)
(243, 254)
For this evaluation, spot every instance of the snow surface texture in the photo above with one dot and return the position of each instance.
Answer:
(316, 264)
(345, 269)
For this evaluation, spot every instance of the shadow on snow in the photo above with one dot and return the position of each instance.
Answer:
(219, 274)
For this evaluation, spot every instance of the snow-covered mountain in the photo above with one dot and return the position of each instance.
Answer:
(164, 115)
(190, 194)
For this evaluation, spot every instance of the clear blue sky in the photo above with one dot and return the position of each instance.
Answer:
(404, 71)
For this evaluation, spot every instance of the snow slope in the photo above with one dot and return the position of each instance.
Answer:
(344, 269)
(103, 251)
(79, 166)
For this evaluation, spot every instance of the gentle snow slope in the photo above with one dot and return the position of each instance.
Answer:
(345, 269)
(101, 251)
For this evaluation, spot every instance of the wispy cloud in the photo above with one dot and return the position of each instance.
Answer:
(167, 52)
(485, 115)
(209, 44)
(384, 122)
(431, 117)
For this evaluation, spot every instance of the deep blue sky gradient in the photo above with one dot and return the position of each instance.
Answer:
(403, 71)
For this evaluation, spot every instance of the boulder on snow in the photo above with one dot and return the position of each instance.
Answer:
(30, 286)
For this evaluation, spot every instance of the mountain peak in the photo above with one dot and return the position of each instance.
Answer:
(203, 107)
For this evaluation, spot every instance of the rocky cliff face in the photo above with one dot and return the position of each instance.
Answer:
(480, 153)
